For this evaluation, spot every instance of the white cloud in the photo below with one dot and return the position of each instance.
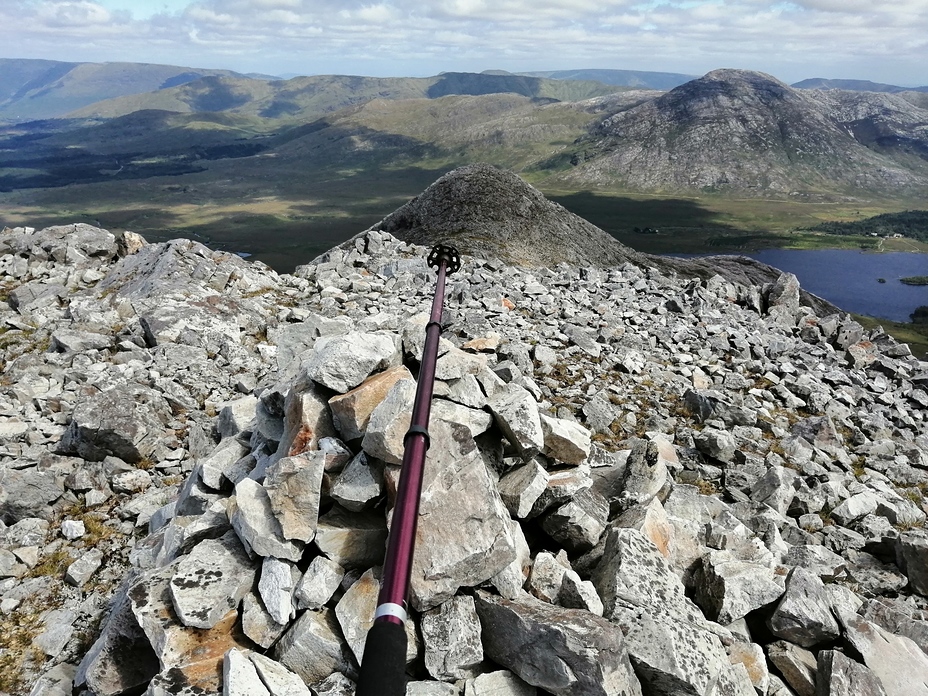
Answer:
(788, 38)
(73, 14)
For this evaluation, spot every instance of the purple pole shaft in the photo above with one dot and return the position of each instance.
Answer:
(397, 566)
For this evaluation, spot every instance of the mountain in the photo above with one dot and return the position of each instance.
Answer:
(747, 132)
(637, 79)
(40, 89)
(854, 85)
(638, 482)
(304, 98)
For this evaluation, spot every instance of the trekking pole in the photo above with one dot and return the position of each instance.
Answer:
(383, 666)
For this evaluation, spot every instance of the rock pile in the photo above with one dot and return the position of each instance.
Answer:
(637, 483)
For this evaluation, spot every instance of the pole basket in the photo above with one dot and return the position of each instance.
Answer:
(448, 254)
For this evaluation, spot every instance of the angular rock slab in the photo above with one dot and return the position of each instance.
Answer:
(502, 683)
(563, 651)
(211, 580)
(912, 559)
(187, 655)
(838, 675)
(352, 411)
(729, 588)
(239, 676)
(522, 487)
(307, 420)
(451, 635)
(566, 441)
(463, 536)
(803, 616)
(898, 662)
(279, 680)
(253, 519)
(125, 421)
(516, 413)
(352, 540)
(389, 422)
(122, 658)
(314, 647)
(294, 489)
(341, 363)
(355, 614)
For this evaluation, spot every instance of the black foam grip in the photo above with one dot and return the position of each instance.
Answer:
(383, 666)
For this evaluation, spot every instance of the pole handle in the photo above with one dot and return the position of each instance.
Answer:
(383, 666)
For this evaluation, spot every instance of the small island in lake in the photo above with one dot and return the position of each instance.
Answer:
(915, 280)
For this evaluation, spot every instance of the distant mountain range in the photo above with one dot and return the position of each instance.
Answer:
(730, 132)
(855, 85)
(36, 89)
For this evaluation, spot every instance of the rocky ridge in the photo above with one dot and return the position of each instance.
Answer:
(639, 483)
(747, 132)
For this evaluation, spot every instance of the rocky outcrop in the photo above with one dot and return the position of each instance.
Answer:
(747, 132)
(637, 482)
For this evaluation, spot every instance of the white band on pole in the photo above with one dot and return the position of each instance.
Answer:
(391, 609)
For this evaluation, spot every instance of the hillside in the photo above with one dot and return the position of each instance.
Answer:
(637, 483)
(40, 89)
(743, 132)
(306, 98)
(854, 85)
(637, 79)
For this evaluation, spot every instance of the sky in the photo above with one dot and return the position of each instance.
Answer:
(880, 40)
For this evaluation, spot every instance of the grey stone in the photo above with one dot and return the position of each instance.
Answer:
(564, 440)
(258, 624)
(776, 488)
(516, 413)
(236, 416)
(352, 411)
(58, 629)
(214, 467)
(126, 421)
(751, 655)
(463, 536)
(211, 580)
(578, 524)
(320, 581)
(336, 684)
(501, 683)
(360, 484)
(83, 568)
(276, 588)
(313, 647)
(307, 420)
(342, 362)
(355, 614)
(838, 675)
(476, 420)
(803, 616)
(855, 507)
(521, 488)
(28, 493)
(896, 660)
(352, 540)
(294, 490)
(451, 638)
(912, 559)
(718, 444)
(121, 659)
(239, 676)
(729, 588)
(254, 521)
(563, 651)
(278, 680)
(431, 688)
(797, 665)
(389, 422)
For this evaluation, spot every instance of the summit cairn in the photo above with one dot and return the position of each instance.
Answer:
(720, 498)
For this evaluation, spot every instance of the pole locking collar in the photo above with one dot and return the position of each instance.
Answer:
(448, 254)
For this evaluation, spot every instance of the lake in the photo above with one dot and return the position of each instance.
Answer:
(850, 279)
